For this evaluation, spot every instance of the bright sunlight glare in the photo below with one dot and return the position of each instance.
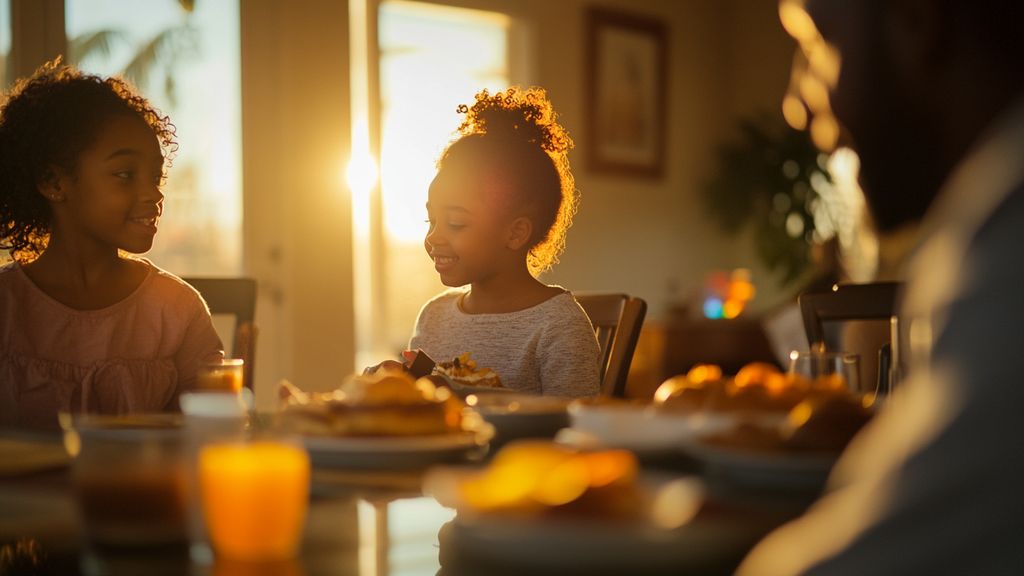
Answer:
(361, 173)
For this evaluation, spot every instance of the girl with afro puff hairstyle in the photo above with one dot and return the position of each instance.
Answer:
(85, 327)
(498, 209)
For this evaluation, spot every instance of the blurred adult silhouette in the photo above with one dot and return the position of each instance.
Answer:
(931, 95)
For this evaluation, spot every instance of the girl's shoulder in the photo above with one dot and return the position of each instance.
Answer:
(170, 288)
(8, 270)
(10, 274)
(561, 313)
(561, 302)
(447, 298)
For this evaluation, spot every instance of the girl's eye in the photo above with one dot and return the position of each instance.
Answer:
(456, 225)
(124, 174)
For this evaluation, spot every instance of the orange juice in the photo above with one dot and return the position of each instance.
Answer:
(223, 376)
(254, 498)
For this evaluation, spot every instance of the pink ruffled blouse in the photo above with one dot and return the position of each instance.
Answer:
(137, 355)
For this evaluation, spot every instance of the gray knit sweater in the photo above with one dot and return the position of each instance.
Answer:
(548, 349)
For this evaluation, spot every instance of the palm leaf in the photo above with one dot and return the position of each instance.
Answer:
(98, 42)
(163, 50)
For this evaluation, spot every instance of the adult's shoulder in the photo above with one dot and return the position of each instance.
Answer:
(1002, 232)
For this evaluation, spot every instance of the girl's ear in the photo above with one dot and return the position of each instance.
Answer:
(519, 233)
(52, 185)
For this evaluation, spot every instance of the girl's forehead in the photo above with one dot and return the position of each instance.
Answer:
(465, 185)
(125, 132)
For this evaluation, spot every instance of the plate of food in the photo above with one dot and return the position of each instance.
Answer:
(632, 424)
(382, 420)
(464, 377)
(771, 429)
(577, 510)
(391, 452)
(517, 415)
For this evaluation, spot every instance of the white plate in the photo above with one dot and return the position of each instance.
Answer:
(643, 427)
(463, 390)
(522, 415)
(392, 452)
(763, 469)
(577, 546)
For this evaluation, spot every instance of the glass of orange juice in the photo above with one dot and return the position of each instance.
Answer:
(254, 498)
(221, 376)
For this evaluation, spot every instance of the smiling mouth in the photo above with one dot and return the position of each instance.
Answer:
(146, 221)
(444, 260)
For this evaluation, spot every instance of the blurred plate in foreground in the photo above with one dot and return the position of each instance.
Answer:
(774, 469)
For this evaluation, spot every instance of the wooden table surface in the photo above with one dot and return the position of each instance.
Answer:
(376, 523)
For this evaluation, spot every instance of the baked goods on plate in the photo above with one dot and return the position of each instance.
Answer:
(464, 370)
(385, 403)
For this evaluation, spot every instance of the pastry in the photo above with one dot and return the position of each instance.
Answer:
(386, 403)
(463, 370)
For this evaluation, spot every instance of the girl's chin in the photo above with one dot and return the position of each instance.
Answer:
(137, 247)
(452, 282)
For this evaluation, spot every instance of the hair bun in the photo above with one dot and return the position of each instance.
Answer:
(518, 114)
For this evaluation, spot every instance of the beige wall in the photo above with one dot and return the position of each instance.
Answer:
(298, 223)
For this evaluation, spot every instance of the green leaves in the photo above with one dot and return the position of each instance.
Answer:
(771, 178)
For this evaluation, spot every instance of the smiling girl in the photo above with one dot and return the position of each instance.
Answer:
(498, 211)
(83, 327)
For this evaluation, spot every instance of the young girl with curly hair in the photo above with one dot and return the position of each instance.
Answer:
(83, 326)
(499, 208)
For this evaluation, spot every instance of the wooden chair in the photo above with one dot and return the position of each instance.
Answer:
(234, 297)
(617, 319)
(851, 302)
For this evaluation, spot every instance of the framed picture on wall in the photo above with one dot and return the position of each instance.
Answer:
(626, 92)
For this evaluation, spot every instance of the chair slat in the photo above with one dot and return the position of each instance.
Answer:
(235, 297)
(617, 319)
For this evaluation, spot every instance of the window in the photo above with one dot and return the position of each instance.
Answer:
(432, 58)
(5, 41)
(184, 57)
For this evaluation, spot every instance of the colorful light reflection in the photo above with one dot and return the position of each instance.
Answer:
(727, 294)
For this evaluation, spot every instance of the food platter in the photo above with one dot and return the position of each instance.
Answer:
(396, 452)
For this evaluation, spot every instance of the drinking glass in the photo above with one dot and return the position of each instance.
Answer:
(130, 482)
(820, 367)
(221, 376)
(254, 496)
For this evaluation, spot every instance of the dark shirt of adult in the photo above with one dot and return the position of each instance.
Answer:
(931, 93)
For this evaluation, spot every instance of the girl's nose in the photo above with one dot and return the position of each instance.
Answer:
(433, 238)
(153, 194)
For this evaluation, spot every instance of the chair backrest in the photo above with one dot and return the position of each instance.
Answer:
(234, 297)
(852, 302)
(617, 319)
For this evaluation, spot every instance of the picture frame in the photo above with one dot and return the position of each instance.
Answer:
(627, 63)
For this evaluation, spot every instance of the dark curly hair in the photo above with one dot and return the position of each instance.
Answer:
(46, 121)
(514, 135)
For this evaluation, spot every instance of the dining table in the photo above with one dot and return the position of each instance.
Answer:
(376, 522)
